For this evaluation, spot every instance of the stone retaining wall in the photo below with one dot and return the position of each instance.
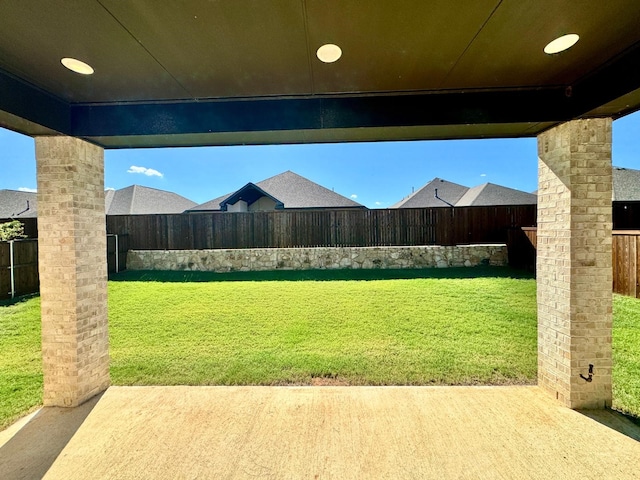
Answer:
(264, 259)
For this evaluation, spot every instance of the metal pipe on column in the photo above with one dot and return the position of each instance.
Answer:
(12, 269)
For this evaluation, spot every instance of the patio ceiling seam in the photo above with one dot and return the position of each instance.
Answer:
(446, 77)
(144, 47)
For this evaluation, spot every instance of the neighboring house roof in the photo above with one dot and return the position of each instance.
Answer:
(626, 184)
(490, 194)
(452, 194)
(249, 193)
(293, 191)
(126, 201)
(14, 204)
(138, 200)
(108, 198)
(210, 205)
(448, 194)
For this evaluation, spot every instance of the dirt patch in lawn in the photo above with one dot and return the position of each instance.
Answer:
(329, 382)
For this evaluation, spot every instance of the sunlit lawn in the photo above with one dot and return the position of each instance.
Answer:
(346, 328)
(379, 332)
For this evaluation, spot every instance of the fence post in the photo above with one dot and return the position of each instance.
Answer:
(117, 252)
(12, 269)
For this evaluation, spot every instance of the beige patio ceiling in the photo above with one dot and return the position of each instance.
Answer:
(195, 72)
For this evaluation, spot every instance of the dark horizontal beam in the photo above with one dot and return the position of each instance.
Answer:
(613, 80)
(30, 103)
(312, 113)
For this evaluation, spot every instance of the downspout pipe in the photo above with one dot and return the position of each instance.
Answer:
(12, 270)
(117, 259)
(441, 199)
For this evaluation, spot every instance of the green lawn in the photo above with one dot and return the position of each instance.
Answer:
(353, 328)
(626, 355)
(376, 332)
(20, 360)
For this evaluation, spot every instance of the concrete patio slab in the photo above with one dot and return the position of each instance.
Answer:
(321, 433)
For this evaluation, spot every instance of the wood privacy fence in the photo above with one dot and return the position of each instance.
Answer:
(626, 215)
(322, 228)
(626, 262)
(19, 264)
(117, 248)
(521, 248)
(18, 268)
(626, 259)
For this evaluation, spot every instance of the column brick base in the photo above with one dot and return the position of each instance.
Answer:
(574, 263)
(73, 270)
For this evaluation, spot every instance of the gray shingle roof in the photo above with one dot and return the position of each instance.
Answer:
(425, 197)
(490, 194)
(12, 202)
(626, 184)
(294, 191)
(460, 196)
(211, 204)
(130, 200)
(138, 200)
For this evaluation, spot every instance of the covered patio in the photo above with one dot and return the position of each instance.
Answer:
(322, 432)
(103, 74)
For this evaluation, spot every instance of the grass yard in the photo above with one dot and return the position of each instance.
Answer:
(348, 327)
(20, 360)
(378, 332)
(626, 355)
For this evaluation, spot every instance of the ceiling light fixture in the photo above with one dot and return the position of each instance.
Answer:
(77, 66)
(329, 53)
(561, 44)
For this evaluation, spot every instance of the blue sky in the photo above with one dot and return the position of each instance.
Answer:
(374, 174)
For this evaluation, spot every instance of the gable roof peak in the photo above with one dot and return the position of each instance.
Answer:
(293, 191)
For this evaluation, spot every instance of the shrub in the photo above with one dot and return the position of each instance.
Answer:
(11, 230)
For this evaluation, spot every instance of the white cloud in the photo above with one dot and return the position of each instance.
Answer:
(109, 188)
(354, 196)
(378, 203)
(27, 189)
(149, 172)
(483, 174)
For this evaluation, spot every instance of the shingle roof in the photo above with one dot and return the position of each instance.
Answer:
(490, 194)
(13, 202)
(294, 191)
(211, 204)
(426, 196)
(626, 184)
(138, 200)
(130, 200)
(452, 194)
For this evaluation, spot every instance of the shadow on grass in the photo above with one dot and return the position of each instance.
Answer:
(13, 301)
(319, 275)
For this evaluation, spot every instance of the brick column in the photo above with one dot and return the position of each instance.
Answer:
(574, 262)
(73, 269)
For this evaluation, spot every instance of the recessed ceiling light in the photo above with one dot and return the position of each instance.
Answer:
(77, 66)
(329, 53)
(561, 44)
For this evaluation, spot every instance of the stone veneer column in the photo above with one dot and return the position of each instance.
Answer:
(574, 262)
(73, 269)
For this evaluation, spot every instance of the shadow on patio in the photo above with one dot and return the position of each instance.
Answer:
(30, 446)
